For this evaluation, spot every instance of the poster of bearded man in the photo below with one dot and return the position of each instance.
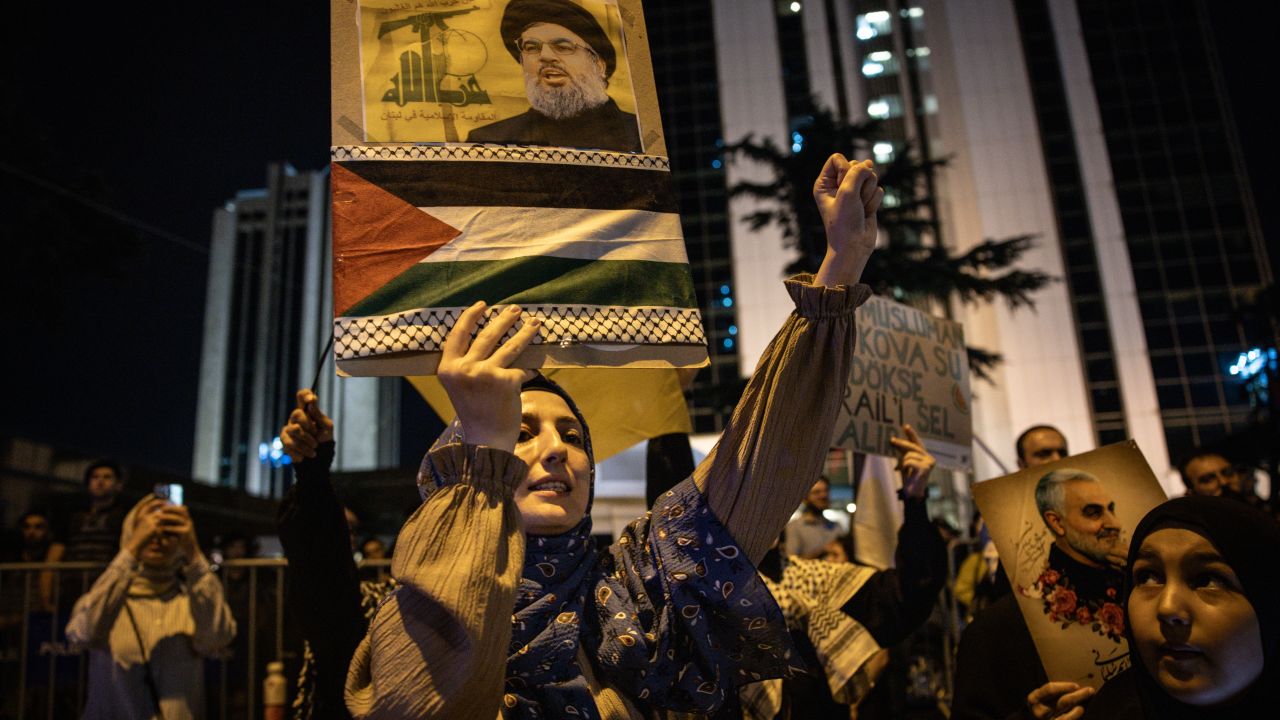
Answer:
(1062, 531)
(525, 72)
(508, 152)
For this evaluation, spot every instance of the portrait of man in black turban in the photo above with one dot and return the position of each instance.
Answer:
(568, 60)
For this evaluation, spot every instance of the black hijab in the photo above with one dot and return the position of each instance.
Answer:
(1249, 541)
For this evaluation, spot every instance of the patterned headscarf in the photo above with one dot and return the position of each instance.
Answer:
(673, 613)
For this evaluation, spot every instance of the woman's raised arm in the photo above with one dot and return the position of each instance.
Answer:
(777, 440)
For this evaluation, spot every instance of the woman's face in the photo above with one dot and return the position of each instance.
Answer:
(553, 497)
(1196, 632)
(160, 551)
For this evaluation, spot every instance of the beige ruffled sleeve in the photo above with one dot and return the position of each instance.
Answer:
(437, 647)
(774, 446)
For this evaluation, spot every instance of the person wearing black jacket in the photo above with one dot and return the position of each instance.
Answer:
(843, 617)
(323, 582)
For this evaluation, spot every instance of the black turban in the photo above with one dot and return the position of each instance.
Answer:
(520, 14)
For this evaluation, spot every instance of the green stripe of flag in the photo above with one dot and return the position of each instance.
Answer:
(533, 280)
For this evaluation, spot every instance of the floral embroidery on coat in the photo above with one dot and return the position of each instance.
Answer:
(1064, 605)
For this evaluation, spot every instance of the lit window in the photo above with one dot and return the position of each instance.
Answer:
(883, 152)
(873, 24)
(914, 12)
(930, 104)
(728, 343)
(879, 63)
(891, 198)
(724, 289)
(727, 302)
(797, 141)
(921, 54)
(733, 329)
(889, 106)
(716, 164)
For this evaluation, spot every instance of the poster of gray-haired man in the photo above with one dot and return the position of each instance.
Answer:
(1066, 525)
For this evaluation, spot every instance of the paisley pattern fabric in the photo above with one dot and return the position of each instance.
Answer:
(673, 612)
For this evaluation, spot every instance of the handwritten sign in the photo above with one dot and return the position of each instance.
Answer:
(908, 368)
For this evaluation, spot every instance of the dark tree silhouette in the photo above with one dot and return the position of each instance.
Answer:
(912, 266)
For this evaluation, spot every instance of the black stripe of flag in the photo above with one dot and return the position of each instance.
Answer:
(511, 184)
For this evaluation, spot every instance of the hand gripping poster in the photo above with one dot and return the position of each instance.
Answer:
(908, 368)
(508, 151)
(1062, 531)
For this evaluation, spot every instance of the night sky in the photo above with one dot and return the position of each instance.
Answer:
(159, 112)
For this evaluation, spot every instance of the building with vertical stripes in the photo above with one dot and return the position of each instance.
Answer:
(1099, 126)
(268, 312)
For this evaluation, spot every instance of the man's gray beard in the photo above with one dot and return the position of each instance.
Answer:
(581, 94)
(1089, 545)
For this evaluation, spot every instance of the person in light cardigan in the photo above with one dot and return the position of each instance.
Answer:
(150, 618)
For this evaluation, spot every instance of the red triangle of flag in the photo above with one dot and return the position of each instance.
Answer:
(376, 236)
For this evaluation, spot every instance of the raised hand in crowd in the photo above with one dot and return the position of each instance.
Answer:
(914, 462)
(306, 429)
(160, 525)
(1059, 700)
(477, 375)
(848, 196)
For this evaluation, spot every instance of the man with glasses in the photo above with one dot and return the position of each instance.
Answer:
(567, 61)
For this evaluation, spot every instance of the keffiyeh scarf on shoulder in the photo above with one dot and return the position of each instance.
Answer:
(674, 616)
(811, 594)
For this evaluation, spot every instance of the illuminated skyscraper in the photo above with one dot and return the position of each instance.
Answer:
(1099, 126)
(267, 315)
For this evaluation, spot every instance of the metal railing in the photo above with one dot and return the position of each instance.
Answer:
(51, 676)
(35, 607)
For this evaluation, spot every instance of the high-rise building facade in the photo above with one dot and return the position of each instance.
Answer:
(1098, 126)
(683, 42)
(267, 317)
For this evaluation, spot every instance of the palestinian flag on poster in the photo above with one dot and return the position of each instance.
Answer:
(589, 241)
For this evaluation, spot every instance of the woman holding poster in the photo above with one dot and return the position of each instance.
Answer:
(506, 608)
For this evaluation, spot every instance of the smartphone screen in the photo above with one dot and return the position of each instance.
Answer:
(171, 492)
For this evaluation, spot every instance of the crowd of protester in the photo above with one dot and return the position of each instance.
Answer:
(722, 601)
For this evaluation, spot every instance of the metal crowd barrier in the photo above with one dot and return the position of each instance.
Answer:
(35, 606)
(42, 676)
